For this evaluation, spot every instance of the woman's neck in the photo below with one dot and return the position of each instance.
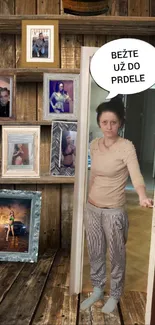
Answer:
(108, 142)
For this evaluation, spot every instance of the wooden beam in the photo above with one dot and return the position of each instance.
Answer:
(34, 75)
(138, 8)
(42, 180)
(103, 25)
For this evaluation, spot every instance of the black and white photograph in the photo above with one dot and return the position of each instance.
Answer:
(63, 148)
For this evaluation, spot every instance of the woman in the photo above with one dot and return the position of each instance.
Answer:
(59, 98)
(105, 218)
(17, 158)
(68, 150)
(10, 225)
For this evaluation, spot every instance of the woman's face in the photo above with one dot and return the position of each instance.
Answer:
(109, 124)
(19, 145)
(68, 138)
(61, 87)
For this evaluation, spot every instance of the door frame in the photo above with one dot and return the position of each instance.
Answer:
(79, 199)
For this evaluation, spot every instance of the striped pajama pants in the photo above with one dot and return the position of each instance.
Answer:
(106, 228)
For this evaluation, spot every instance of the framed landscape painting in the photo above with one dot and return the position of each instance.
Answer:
(19, 225)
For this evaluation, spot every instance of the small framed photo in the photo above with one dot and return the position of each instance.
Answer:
(7, 96)
(40, 43)
(19, 225)
(60, 96)
(20, 151)
(63, 148)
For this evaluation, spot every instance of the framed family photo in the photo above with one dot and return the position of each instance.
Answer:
(20, 151)
(40, 43)
(63, 148)
(19, 225)
(60, 96)
(7, 96)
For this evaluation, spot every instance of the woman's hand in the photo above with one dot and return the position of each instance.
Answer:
(146, 202)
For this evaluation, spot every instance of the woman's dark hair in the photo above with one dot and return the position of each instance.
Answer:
(65, 134)
(115, 105)
(57, 87)
(16, 148)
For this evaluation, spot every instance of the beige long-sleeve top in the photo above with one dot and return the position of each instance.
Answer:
(110, 169)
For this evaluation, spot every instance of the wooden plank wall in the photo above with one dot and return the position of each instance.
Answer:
(57, 200)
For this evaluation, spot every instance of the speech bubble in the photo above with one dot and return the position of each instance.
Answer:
(124, 66)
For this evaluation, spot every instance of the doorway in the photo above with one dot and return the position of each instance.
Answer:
(140, 129)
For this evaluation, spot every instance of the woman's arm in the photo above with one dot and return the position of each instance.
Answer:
(51, 102)
(16, 153)
(92, 173)
(136, 177)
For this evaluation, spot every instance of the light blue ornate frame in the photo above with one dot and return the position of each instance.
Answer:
(32, 254)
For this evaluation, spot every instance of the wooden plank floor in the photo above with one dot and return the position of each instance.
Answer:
(38, 294)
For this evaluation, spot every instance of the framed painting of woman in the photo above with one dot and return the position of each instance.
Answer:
(63, 148)
(20, 151)
(19, 225)
(60, 96)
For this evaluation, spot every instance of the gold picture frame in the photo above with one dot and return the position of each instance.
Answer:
(20, 151)
(40, 44)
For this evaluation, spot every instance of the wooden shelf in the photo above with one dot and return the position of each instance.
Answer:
(34, 75)
(42, 180)
(100, 25)
(16, 122)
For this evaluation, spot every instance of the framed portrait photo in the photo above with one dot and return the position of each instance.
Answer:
(20, 151)
(63, 148)
(19, 225)
(40, 43)
(60, 96)
(7, 96)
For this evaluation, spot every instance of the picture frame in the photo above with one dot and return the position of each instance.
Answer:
(7, 96)
(20, 151)
(40, 44)
(63, 148)
(19, 225)
(60, 96)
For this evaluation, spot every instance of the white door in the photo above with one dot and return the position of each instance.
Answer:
(77, 245)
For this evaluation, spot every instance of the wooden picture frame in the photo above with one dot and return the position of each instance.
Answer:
(7, 96)
(63, 164)
(40, 44)
(60, 104)
(20, 225)
(20, 151)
